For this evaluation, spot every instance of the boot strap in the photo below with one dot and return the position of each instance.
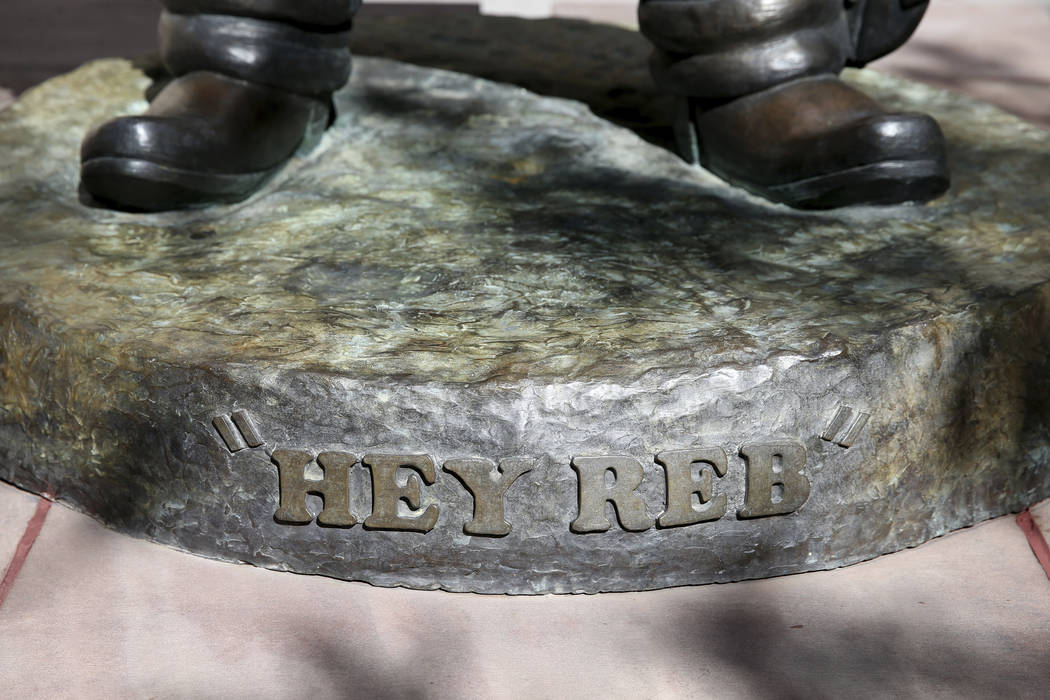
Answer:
(275, 54)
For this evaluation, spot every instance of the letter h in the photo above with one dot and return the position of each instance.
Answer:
(334, 488)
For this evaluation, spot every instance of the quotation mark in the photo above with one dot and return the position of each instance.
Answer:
(845, 427)
(238, 431)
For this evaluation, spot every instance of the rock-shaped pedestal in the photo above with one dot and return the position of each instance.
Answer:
(681, 383)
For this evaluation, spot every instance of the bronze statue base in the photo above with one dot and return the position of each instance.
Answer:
(475, 317)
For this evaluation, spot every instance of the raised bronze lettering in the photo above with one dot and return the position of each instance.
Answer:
(775, 485)
(334, 488)
(595, 493)
(681, 485)
(488, 484)
(387, 492)
(775, 482)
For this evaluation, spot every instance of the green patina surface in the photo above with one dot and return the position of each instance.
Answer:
(426, 240)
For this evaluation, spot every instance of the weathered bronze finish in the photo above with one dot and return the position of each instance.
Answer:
(760, 105)
(206, 139)
(304, 381)
(596, 489)
(775, 482)
(333, 487)
(253, 84)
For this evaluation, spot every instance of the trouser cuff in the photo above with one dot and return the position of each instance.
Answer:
(276, 54)
(320, 13)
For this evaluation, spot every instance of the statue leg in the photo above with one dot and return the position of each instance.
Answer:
(877, 27)
(763, 107)
(253, 85)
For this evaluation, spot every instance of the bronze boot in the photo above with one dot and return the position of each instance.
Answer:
(253, 84)
(762, 106)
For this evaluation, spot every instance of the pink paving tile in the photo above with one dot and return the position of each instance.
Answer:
(16, 508)
(25, 545)
(1041, 516)
(1036, 524)
(96, 614)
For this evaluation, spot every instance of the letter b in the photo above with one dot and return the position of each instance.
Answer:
(775, 482)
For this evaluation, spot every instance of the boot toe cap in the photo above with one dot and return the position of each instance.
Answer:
(147, 163)
(883, 159)
(903, 136)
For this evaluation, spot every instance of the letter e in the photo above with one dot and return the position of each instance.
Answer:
(681, 485)
(387, 493)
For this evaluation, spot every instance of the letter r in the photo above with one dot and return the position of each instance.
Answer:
(594, 494)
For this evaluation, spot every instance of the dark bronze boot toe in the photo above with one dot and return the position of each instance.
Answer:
(885, 159)
(818, 143)
(206, 139)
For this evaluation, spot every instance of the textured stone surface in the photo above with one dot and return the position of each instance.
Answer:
(466, 269)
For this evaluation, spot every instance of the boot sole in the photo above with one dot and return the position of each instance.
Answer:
(884, 183)
(132, 184)
(916, 179)
(140, 185)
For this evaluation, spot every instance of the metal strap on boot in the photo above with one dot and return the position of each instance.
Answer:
(716, 50)
(316, 13)
(721, 49)
(275, 54)
(253, 85)
(761, 104)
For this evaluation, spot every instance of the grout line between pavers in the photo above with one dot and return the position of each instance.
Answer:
(33, 528)
(1035, 539)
